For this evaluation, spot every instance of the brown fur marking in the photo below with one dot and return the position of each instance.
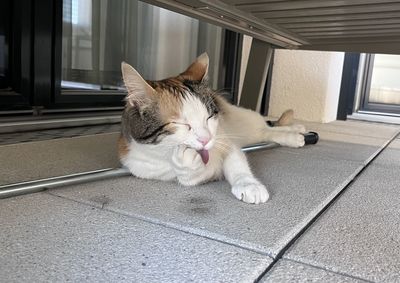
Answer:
(123, 148)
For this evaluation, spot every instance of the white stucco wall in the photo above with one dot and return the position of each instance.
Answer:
(307, 82)
(247, 40)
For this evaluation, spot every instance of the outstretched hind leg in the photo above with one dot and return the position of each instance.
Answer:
(297, 128)
(291, 136)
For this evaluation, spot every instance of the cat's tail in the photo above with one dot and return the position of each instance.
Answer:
(286, 119)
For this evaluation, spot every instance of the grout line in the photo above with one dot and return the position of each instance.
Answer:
(331, 271)
(325, 208)
(160, 223)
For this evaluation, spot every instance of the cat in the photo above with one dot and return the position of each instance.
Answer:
(179, 128)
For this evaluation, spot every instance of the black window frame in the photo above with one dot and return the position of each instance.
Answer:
(36, 66)
(348, 85)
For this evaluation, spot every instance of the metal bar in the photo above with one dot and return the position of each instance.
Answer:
(344, 23)
(335, 18)
(351, 34)
(43, 184)
(256, 74)
(382, 27)
(17, 189)
(260, 146)
(332, 11)
(307, 4)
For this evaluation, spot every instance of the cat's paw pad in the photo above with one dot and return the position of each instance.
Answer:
(297, 128)
(294, 140)
(251, 192)
(185, 157)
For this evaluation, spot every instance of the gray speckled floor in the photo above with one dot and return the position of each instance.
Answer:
(133, 230)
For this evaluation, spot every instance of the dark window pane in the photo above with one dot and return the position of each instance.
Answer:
(4, 40)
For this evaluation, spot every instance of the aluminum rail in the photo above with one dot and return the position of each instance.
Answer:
(17, 189)
(44, 184)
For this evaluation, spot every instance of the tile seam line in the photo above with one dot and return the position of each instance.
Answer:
(160, 224)
(331, 271)
(327, 206)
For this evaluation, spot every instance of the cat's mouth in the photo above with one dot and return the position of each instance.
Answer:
(204, 155)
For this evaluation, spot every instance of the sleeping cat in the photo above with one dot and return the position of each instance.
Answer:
(179, 128)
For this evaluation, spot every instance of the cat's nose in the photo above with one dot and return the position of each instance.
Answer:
(203, 140)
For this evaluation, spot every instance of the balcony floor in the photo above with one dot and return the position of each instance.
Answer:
(333, 216)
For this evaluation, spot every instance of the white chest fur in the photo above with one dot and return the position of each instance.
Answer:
(149, 161)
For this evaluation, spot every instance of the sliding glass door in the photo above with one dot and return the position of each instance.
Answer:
(381, 87)
(73, 50)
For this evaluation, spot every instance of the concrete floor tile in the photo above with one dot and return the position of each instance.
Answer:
(354, 128)
(44, 238)
(395, 144)
(352, 139)
(360, 234)
(299, 187)
(289, 271)
(51, 158)
(345, 151)
(391, 156)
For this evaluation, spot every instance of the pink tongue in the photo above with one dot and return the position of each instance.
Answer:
(204, 155)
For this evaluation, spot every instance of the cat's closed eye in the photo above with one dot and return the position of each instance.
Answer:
(183, 124)
(215, 113)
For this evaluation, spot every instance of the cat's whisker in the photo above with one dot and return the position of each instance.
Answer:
(228, 138)
(230, 135)
(225, 89)
(223, 146)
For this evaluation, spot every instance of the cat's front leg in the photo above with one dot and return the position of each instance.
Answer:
(189, 167)
(245, 186)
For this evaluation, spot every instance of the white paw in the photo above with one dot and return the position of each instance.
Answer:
(299, 128)
(187, 158)
(293, 140)
(251, 192)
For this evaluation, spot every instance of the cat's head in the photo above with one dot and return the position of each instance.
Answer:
(181, 110)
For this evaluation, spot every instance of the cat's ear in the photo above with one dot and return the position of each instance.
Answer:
(198, 70)
(139, 91)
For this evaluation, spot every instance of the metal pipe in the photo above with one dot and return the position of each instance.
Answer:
(13, 190)
(260, 146)
(43, 184)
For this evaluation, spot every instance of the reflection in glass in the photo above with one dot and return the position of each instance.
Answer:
(385, 82)
(2, 58)
(99, 34)
(4, 49)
